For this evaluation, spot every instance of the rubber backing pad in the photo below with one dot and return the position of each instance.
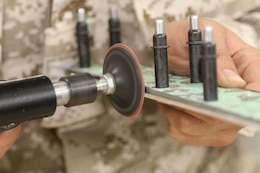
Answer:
(123, 64)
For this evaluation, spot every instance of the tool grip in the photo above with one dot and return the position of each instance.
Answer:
(26, 99)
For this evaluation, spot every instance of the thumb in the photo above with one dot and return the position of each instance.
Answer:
(227, 73)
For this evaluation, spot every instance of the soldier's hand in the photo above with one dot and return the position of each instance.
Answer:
(7, 138)
(237, 66)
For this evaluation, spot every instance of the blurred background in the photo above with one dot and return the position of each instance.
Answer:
(39, 37)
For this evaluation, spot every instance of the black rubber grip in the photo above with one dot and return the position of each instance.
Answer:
(26, 99)
(195, 42)
(83, 44)
(161, 60)
(114, 31)
(83, 89)
(209, 72)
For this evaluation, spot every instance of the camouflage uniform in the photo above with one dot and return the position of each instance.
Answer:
(93, 138)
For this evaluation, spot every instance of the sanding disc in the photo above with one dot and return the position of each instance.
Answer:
(123, 64)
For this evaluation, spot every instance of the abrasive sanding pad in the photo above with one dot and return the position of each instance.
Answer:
(122, 63)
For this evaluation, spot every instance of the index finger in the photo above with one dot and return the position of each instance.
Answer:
(7, 138)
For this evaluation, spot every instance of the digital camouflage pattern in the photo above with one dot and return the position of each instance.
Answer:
(39, 37)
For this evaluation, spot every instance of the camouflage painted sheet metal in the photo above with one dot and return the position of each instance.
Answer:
(233, 104)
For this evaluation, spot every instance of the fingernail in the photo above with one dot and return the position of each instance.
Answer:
(234, 78)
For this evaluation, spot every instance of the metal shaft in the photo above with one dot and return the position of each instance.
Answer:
(160, 55)
(62, 92)
(209, 70)
(82, 88)
(194, 41)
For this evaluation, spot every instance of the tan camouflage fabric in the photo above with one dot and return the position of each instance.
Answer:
(39, 38)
